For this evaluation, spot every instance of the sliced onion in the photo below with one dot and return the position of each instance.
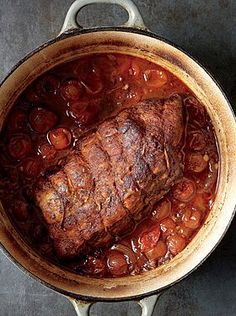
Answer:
(211, 177)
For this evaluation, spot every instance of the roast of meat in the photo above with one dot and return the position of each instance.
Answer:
(112, 178)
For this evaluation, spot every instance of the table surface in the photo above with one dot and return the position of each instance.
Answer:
(206, 29)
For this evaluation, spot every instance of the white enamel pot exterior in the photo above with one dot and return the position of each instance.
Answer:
(133, 39)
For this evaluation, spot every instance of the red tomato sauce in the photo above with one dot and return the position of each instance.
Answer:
(56, 109)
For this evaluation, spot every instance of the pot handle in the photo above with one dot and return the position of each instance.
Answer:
(135, 19)
(147, 304)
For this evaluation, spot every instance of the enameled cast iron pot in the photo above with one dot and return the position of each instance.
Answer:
(134, 39)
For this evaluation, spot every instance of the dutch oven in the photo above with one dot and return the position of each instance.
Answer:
(132, 38)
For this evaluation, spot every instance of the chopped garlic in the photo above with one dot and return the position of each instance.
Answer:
(126, 87)
(206, 157)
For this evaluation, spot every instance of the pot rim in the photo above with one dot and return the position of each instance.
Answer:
(77, 32)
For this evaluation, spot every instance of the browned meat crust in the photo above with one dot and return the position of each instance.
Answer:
(113, 177)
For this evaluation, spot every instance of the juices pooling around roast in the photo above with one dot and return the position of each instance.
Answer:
(55, 110)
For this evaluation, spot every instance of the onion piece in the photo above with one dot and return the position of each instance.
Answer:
(211, 177)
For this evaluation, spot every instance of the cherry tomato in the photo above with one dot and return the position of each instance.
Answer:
(119, 95)
(167, 226)
(47, 85)
(192, 219)
(155, 78)
(84, 111)
(162, 209)
(135, 68)
(123, 64)
(83, 67)
(93, 83)
(149, 239)
(127, 251)
(158, 251)
(17, 120)
(106, 65)
(42, 120)
(196, 162)
(71, 90)
(127, 94)
(184, 190)
(116, 263)
(95, 265)
(60, 138)
(13, 176)
(32, 96)
(47, 151)
(19, 146)
(31, 166)
(200, 203)
(134, 95)
(196, 140)
(207, 195)
(195, 111)
(20, 210)
(184, 231)
(176, 243)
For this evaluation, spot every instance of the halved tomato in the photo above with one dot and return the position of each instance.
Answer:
(47, 85)
(31, 167)
(47, 151)
(162, 209)
(84, 111)
(17, 120)
(176, 243)
(184, 190)
(149, 239)
(42, 120)
(155, 78)
(19, 146)
(60, 138)
(117, 263)
(71, 90)
(196, 162)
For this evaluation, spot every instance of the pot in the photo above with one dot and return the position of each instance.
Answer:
(132, 38)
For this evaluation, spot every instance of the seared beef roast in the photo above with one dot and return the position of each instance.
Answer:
(113, 177)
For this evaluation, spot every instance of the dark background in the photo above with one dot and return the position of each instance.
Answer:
(207, 30)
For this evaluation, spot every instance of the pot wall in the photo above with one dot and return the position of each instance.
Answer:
(207, 91)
